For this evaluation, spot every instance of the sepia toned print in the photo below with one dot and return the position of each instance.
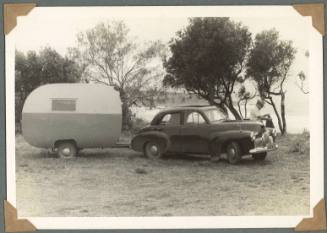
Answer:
(189, 116)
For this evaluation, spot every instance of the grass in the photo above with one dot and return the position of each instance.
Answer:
(121, 182)
(300, 143)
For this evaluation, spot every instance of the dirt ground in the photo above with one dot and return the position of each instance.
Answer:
(120, 182)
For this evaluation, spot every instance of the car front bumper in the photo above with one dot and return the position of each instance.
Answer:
(263, 144)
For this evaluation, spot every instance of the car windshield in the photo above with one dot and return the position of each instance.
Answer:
(215, 115)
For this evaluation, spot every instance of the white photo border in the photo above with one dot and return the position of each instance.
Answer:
(316, 132)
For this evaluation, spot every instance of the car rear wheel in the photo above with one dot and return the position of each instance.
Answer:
(260, 156)
(153, 150)
(233, 153)
(67, 150)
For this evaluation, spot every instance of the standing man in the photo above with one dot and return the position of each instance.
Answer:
(255, 113)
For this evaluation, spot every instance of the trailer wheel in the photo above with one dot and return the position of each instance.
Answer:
(67, 150)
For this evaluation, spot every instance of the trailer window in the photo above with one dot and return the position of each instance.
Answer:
(63, 104)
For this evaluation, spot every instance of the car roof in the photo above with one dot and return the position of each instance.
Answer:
(181, 109)
(189, 108)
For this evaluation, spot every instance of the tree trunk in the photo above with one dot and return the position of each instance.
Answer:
(223, 106)
(152, 104)
(245, 108)
(282, 112)
(234, 112)
(220, 106)
(231, 107)
(280, 125)
(239, 107)
(126, 112)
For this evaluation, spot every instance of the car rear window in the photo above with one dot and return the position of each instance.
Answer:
(215, 115)
(171, 119)
(195, 118)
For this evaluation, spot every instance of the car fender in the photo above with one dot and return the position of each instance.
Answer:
(141, 139)
(221, 138)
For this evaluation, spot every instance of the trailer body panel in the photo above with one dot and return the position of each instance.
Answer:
(88, 114)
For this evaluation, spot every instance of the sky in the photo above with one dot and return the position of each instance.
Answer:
(57, 27)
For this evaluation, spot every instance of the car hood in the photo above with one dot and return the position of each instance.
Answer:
(248, 125)
(252, 125)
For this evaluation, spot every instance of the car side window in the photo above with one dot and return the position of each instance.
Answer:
(195, 118)
(171, 119)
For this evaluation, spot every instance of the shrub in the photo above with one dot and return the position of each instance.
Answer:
(301, 143)
(137, 124)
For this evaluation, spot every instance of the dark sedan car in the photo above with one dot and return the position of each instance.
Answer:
(204, 130)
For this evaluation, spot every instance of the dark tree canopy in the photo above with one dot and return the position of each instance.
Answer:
(269, 61)
(47, 66)
(35, 69)
(208, 59)
(268, 65)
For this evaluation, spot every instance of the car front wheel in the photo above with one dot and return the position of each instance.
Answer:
(233, 153)
(153, 150)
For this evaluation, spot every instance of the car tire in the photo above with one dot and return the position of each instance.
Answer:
(153, 150)
(259, 156)
(67, 150)
(234, 154)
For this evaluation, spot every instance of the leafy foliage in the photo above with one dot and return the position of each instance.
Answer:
(35, 69)
(111, 57)
(301, 144)
(302, 78)
(208, 59)
(244, 96)
(268, 65)
(269, 62)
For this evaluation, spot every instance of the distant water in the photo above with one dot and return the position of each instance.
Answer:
(295, 123)
(297, 117)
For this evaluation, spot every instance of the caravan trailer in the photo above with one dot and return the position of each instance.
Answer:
(69, 117)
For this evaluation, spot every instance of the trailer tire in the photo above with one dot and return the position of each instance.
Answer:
(67, 150)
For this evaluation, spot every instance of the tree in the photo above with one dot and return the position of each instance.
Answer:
(302, 78)
(112, 58)
(35, 69)
(243, 97)
(268, 65)
(208, 58)
(27, 76)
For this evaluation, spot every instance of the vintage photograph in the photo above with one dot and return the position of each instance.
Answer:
(131, 115)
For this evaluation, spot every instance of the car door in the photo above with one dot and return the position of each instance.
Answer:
(194, 133)
(170, 124)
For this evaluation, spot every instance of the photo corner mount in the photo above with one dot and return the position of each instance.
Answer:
(316, 11)
(12, 223)
(11, 11)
